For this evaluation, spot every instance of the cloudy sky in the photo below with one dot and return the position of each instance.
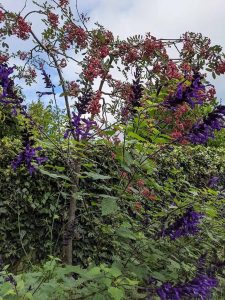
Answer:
(162, 18)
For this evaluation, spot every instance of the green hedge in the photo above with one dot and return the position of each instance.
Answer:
(29, 204)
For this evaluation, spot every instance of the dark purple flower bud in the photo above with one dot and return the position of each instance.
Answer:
(213, 181)
(137, 89)
(193, 94)
(83, 101)
(203, 130)
(5, 82)
(11, 279)
(47, 80)
(26, 157)
(199, 288)
(81, 127)
(184, 226)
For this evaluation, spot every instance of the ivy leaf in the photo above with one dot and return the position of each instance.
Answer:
(109, 206)
(116, 293)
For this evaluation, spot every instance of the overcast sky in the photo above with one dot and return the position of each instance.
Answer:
(162, 18)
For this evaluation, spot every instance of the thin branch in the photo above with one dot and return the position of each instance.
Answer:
(25, 4)
(34, 11)
(80, 16)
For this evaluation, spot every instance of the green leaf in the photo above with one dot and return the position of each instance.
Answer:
(211, 211)
(125, 233)
(108, 206)
(53, 175)
(116, 293)
(136, 136)
(93, 272)
(115, 271)
(96, 176)
(159, 276)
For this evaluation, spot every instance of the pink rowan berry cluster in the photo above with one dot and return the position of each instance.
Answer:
(172, 71)
(73, 89)
(186, 69)
(30, 73)
(150, 45)
(116, 140)
(220, 68)
(180, 122)
(176, 134)
(63, 3)
(128, 53)
(145, 50)
(100, 43)
(3, 59)
(146, 193)
(108, 37)
(113, 155)
(103, 51)
(123, 48)
(53, 19)
(22, 29)
(156, 68)
(137, 205)
(124, 175)
(101, 38)
(124, 90)
(63, 63)
(181, 110)
(93, 69)
(131, 56)
(2, 16)
(74, 33)
(140, 182)
(182, 125)
(210, 94)
(129, 189)
(23, 55)
(188, 45)
(94, 105)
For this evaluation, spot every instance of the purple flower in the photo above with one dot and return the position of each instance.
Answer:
(204, 130)
(193, 94)
(213, 181)
(184, 226)
(81, 127)
(199, 288)
(47, 80)
(9, 95)
(83, 101)
(137, 89)
(168, 292)
(26, 157)
(5, 82)
(11, 279)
